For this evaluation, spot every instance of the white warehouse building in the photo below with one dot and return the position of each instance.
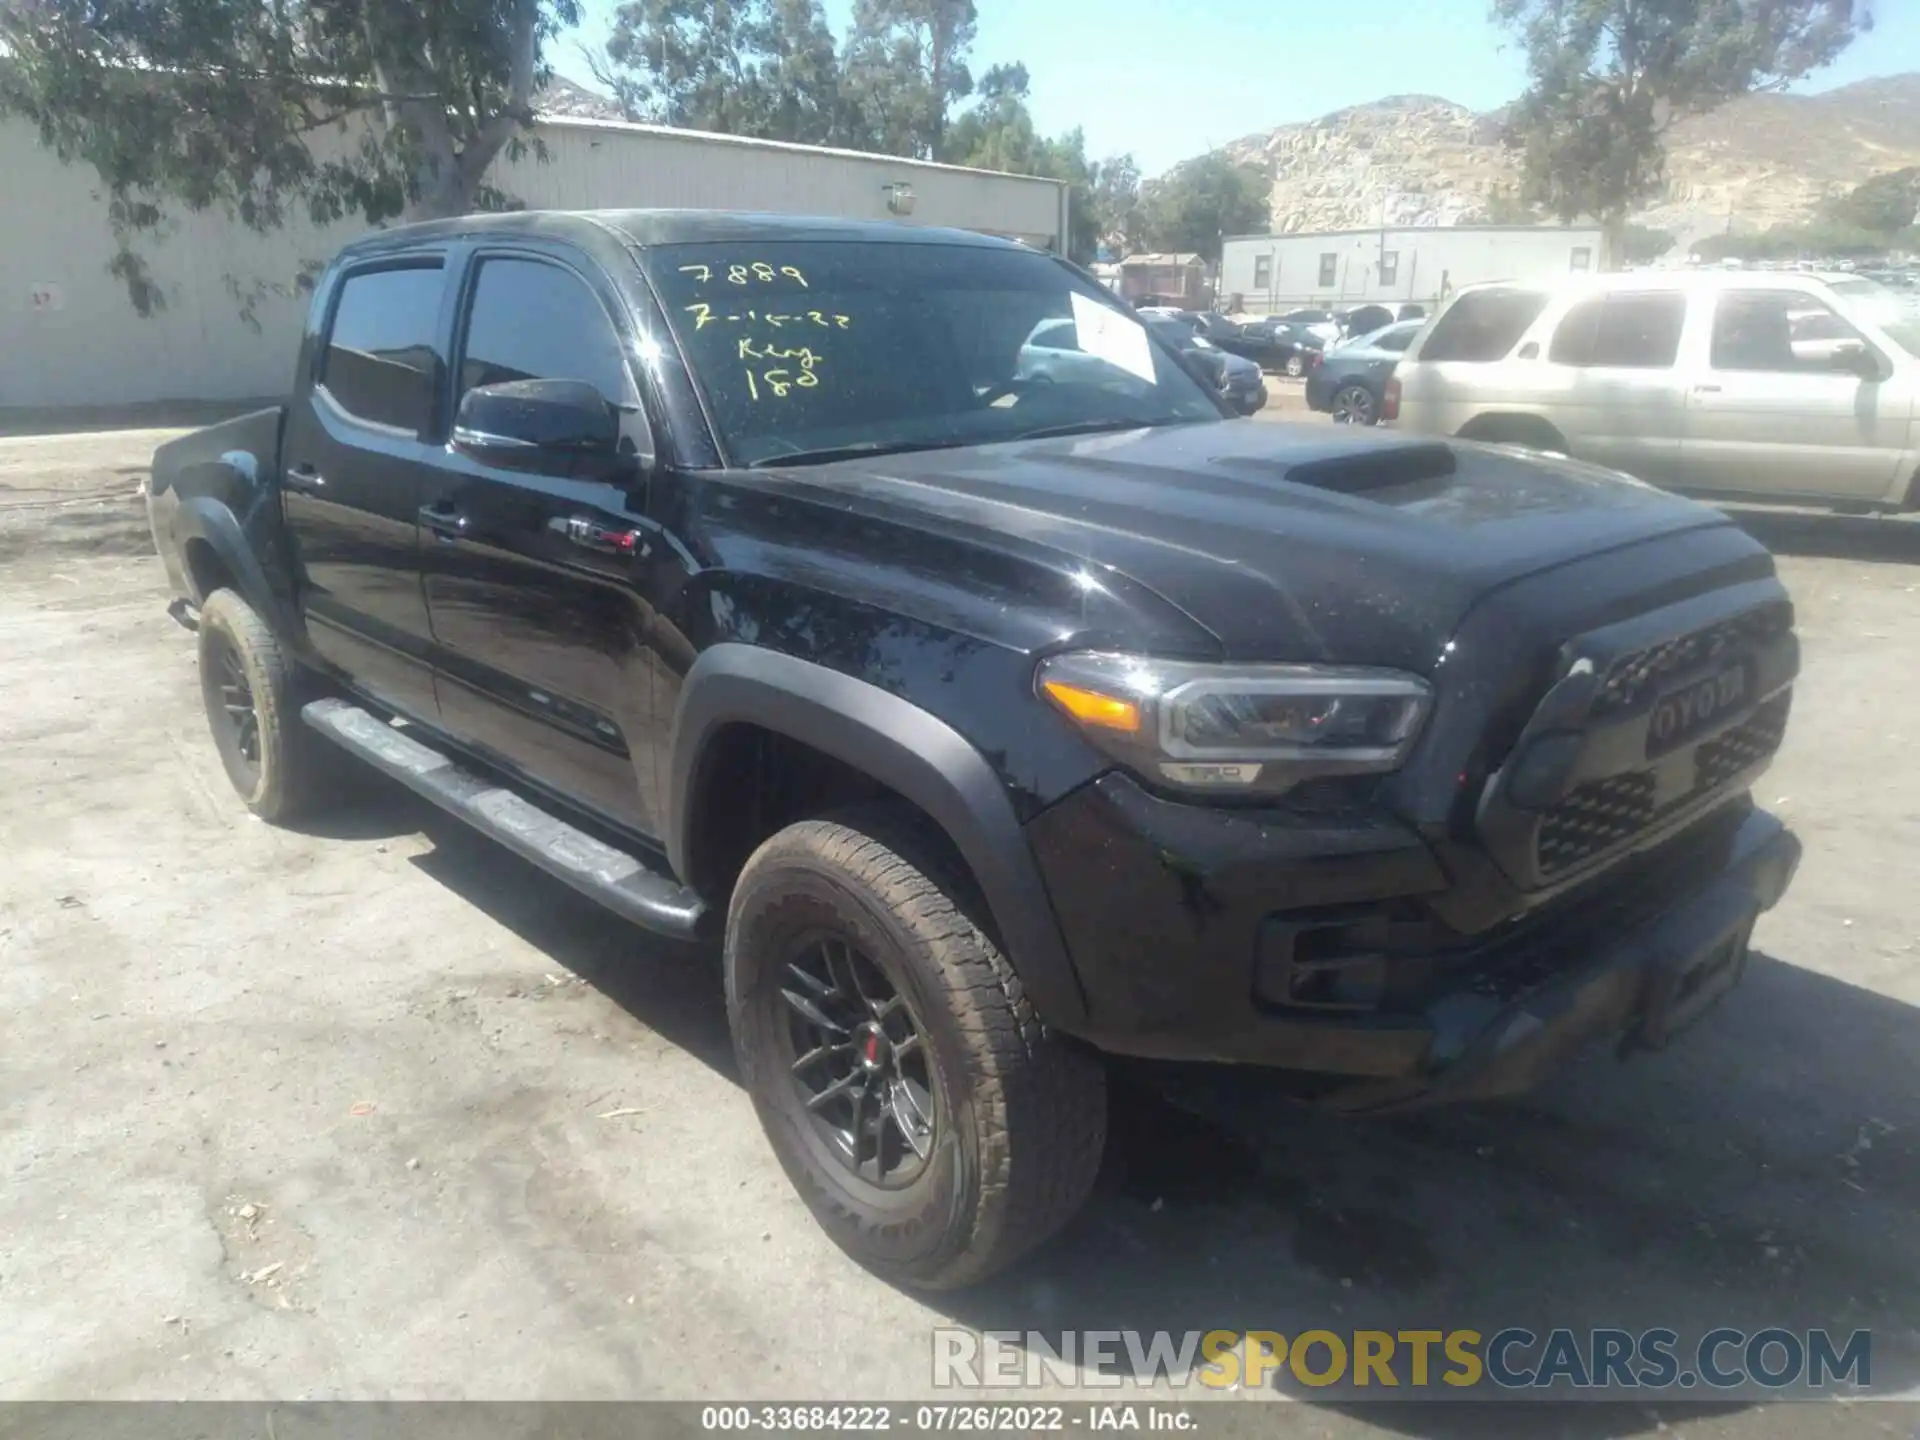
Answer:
(1267, 274)
(70, 337)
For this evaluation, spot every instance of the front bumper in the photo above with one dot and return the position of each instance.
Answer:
(1185, 927)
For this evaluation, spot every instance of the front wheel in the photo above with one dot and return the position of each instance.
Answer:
(933, 1126)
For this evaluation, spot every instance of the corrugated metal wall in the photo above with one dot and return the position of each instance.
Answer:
(1417, 260)
(69, 337)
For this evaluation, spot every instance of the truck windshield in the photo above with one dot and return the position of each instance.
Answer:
(816, 349)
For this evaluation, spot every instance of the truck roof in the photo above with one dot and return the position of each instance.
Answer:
(668, 227)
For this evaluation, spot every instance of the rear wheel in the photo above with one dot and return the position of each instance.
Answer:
(934, 1127)
(251, 694)
(1354, 405)
(1296, 366)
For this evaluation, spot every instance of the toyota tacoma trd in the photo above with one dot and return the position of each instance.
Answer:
(747, 574)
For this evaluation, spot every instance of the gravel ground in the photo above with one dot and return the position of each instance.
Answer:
(376, 1110)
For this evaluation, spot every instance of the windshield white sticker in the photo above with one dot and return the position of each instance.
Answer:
(1110, 336)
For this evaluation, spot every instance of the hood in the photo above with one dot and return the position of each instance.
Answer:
(1283, 542)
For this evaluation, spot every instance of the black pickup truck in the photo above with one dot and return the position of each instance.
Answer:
(739, 571)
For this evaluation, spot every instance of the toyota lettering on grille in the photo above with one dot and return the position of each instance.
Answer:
(1680, 715)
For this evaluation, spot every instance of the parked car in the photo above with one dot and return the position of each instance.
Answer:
(1351, 381)
(1212, 324)
(726, 567)
(1364, 320)
(1237, 379)
(1744, 385)
(1322, 323)
(1276, 344)
(1411, 312)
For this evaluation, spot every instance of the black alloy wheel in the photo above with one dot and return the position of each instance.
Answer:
(860, 1062)
(241, 719)
(1354, 405)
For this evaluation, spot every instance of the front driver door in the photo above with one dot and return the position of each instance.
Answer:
(352, 460)
(533, 577)
(1769, 415)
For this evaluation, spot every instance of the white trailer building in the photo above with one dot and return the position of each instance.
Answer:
(69, 337)
(1266, 274)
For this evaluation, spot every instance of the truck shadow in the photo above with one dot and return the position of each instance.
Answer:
(1764, 1172)
(673, 989)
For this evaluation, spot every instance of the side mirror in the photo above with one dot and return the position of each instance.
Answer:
(553, 426)
(1855, 359)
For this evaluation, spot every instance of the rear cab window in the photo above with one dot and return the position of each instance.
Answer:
(381, 362)
(1483, 325)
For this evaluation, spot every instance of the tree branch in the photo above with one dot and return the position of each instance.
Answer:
(517, 113)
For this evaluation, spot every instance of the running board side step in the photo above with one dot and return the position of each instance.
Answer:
(616, 879)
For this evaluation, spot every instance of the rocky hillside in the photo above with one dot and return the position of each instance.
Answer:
(1421, 160)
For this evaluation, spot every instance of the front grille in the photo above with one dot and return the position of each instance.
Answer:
(1602, 814)
(1748, 743)
(1634, 675)
(1594, 818)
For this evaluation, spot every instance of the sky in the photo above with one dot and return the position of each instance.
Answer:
(1168, 79)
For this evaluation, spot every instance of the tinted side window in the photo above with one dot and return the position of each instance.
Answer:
(380, 362)
(1483, 325)
(1623, 330)
(1640, 331)
(1396, 339)
(532, 321)
(1775, 330)
(1573, 339)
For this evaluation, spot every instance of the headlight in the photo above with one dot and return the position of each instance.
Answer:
(1237, 727)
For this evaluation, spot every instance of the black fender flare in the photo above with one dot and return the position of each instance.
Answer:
(207, 519)
(910, 751)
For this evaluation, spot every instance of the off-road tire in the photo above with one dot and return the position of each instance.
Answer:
(293, 768)
(1021, 1112)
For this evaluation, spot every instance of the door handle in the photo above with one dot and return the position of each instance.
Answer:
(446, 524)
(304, 477)
(590, 534)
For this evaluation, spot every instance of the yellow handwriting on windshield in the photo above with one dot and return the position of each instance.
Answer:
(756, 350)
(750, 272)
(703, 315)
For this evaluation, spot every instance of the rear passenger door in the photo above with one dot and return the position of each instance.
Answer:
(532, 579)
(1768, 414)
(352, 461)
(1615, 385)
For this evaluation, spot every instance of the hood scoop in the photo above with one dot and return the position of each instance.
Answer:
(1357, 470)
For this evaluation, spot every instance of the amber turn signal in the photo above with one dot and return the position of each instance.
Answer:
(1090, 707)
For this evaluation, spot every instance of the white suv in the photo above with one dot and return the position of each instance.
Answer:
(1785, 387)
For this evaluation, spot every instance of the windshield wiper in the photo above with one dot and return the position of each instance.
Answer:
(860, 449)
(1095, 427)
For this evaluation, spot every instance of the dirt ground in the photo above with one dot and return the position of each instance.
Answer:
(377, 1110)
